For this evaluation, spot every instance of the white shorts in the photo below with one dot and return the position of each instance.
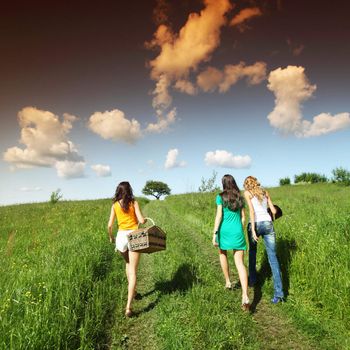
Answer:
(121, 240)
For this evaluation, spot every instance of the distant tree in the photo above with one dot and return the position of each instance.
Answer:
(285, 181)
(208, 185)
(55, 196)
(156, 189)
(341, 175)
(310, 178)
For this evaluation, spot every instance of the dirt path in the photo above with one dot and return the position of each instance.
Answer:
(274, 331)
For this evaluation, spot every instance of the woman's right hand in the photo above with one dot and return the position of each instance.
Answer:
(111, 239)
(215, 243)
(255, 237)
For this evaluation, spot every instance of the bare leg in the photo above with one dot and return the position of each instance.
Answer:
(225, 267)
(125, 256)
(134, 258)
(242, 272)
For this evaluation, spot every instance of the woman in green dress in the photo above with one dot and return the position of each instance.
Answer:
(229, 235)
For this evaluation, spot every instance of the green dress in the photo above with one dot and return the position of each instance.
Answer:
(231, 235)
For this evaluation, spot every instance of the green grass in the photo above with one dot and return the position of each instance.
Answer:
(63, 287)
(58, 276)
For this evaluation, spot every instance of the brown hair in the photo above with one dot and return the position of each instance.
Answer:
(231, 195)
(124, 192)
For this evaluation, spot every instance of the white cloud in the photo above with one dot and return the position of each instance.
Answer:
(171, 160)
(163, 123)
(162, 99)
(70, 170)
(325, 123)
(113, 125)
(211, 79)
(102, 170)
(226, 159)
(291, 87)
(45, 139)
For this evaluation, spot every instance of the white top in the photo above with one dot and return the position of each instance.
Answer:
(260, 210)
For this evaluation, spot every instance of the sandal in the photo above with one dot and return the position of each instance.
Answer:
(128, 313)
(246, 305)
(228, 286)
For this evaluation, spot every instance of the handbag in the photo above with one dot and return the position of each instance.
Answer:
(278, 214)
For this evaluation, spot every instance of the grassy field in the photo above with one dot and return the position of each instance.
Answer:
(63, 287)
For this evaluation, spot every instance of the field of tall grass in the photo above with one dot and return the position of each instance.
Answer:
(314, 252)
(63, 287)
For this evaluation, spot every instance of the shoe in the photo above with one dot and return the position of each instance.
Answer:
(276, 300)
(246, 306)
(128, 313)
(228, 286)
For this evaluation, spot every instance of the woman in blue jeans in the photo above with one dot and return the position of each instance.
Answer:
(260, 224)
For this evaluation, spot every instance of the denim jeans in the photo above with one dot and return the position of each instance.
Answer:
(266, 230)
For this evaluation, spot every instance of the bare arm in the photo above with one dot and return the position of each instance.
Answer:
(138, 213)
(270, 204)
(217, 223)
(110, 225)
(251, 214)
(242, 216)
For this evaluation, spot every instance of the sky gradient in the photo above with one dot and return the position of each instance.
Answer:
(94, 94)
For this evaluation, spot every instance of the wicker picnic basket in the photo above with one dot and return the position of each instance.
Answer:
(147, 240)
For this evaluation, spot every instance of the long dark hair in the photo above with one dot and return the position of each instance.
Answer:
(231, 195)
(124, 192)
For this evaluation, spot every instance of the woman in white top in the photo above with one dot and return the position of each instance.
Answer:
(260, 224)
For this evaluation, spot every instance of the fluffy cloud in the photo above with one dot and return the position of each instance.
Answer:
(186, 87)
(182, 53)
(113, 125)
(243, 16)
(70, 170)
(45, 139)
(291, 87)
(171, 160)
(194, 44)
(211, 79)
(162, 123)
(102, 170)
(226, 159)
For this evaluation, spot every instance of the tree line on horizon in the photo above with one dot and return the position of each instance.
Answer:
(340, 175)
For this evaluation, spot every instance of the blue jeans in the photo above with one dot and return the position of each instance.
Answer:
(266, 230)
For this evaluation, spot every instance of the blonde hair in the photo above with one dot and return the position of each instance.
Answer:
(252, 185)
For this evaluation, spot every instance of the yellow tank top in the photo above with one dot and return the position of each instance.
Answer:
(126, 220)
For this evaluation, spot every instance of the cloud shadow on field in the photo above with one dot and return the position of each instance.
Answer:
(181, 282)
(284, 249)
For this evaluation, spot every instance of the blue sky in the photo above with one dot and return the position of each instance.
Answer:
(242, 82)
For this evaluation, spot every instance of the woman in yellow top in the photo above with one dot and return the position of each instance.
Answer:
(128, 214)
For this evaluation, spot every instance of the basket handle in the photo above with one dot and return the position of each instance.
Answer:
(152, 221)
